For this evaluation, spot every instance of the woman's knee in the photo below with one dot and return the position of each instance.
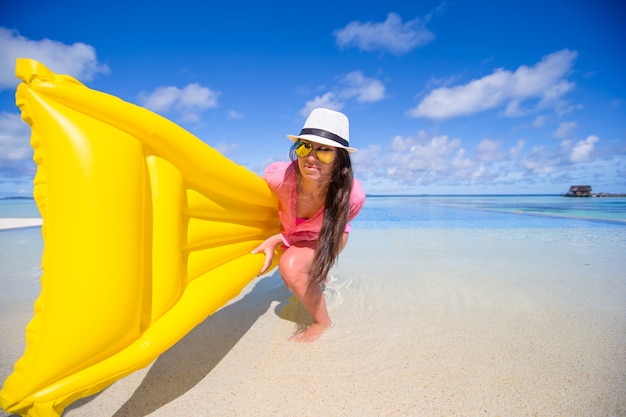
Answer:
(288, 271)
(294, 266)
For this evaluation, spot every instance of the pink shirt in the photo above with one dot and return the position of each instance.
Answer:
(281, 177)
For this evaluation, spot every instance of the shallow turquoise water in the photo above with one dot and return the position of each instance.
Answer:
(495, 212)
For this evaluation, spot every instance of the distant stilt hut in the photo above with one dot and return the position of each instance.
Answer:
(579, 191)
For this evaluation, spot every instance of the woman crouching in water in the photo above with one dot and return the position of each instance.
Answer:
(317, 197)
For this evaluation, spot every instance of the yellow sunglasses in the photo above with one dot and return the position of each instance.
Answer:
(323, 154)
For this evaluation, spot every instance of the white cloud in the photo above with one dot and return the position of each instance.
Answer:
(14, 140)
(540, 160)
(161, 100)
(461, 162)
(481, 172)
(414, 163)
(186, 102)
(328, 101)
(545, 82)
(416, 154)
(489, 150)
(366, 160)
(365, 90)
(194, 96)
(515, 151)
(564, 129)
(234, 115)
(583, 149)
(16, 155)
(78, 60)
(391, 35)
(353, 85)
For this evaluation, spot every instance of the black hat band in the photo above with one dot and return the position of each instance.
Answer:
(324, 134)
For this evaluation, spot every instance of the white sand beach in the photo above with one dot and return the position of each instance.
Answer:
(18, 223)
(510, 322)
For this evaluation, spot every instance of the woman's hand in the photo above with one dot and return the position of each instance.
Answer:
(268, 247)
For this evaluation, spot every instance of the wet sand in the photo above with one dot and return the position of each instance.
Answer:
(447, 322)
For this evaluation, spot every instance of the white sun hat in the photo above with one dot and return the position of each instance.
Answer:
(327, 127)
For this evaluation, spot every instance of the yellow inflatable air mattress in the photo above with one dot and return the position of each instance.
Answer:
(147, 231)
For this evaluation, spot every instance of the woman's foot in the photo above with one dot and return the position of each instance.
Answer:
(310, 334)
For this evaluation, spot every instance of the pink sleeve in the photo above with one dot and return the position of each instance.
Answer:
(357, 199)
(274, 175)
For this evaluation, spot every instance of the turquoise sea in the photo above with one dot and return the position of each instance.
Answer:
(489, 211)
(18, 207)
(496, 212)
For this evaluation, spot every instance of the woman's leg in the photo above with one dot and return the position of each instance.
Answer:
(294, 268)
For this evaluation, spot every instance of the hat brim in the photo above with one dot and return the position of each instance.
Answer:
(322, 141)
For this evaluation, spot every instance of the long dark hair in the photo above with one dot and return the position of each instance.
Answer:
(336, 212)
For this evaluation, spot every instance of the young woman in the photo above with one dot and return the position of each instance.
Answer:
(317, 196)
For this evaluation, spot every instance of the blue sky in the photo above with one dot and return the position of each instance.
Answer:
(444, 97)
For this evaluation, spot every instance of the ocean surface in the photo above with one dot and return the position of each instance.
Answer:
(18, 207)
(493, 211)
